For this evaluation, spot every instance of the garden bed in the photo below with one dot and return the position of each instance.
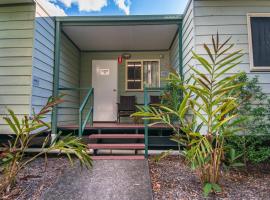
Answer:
(173, 179)
(35, 178)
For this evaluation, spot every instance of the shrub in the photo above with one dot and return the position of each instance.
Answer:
(254, 142)
(210, 99)
(13, 159)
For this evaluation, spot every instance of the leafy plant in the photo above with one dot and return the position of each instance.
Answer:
(254, 143)
(206, 113)
(13, 159)
(171, 95)
(161, 156)
(233, 160)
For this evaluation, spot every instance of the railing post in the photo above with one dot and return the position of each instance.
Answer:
(92, 115)
(146, 102)
(56, 74)
(80, 123)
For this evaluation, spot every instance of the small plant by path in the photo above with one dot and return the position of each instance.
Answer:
(12, 157)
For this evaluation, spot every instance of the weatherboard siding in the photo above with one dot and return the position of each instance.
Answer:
(188, 38)
(16, 47)
(43, 59)
(69, 78)
(229, 18)
(174, 54)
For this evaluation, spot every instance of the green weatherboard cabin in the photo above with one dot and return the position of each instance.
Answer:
(104, 65)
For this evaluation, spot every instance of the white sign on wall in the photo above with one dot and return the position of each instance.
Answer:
(104, 72)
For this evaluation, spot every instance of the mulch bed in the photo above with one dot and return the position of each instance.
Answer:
(36, 178)
(173, 179)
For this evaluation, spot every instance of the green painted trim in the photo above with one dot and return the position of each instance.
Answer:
(117, 19)
(123, 51)
(26, 3)
(86, 88)
(56, 73)
(180, 51)
(146, 122)
(89, 114)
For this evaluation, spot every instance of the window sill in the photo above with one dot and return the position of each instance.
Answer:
(260, 69)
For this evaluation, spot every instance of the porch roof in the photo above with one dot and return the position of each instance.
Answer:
(122, 33)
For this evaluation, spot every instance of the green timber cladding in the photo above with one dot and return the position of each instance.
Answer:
(43, 58)
(16, 51)
(228, 18)
(27, 34)
(69, 77)
(43, 68)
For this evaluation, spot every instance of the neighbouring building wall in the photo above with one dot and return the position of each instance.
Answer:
(16, 47)
(229, 18)
(43, 59)
(86, 68)
(188, 39)
(69, 78)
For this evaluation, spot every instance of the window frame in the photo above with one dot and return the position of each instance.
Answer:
(142, 74)
(250, 43)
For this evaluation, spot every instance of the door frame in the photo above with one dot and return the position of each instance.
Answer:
(117, 85)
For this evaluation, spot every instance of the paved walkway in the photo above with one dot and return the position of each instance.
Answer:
(109, 179)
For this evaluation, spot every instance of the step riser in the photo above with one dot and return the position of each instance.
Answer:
(118, 158)
(116, 146)
(116, 136)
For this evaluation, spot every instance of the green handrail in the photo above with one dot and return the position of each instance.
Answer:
(146, 122)
(89, 115)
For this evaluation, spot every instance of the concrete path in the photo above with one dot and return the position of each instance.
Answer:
(109, 179)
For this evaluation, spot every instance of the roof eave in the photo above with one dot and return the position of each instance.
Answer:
(114, 20)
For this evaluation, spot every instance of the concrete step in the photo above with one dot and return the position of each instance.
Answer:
(116, 146)
(116, 136)
(118, 157)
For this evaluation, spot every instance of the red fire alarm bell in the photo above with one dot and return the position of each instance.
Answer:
(120, 59)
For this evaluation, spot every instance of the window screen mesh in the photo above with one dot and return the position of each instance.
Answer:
(260, 28)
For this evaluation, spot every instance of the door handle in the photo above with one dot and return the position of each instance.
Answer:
(114, 90)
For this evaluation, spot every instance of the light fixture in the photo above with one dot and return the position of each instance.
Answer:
(126, 56)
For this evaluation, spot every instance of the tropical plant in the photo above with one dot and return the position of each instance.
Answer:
(254, 141)
(205, 115)
(13, 156)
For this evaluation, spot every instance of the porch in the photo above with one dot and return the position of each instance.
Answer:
(100, 59)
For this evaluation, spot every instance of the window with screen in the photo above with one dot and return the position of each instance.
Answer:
(142, 72)
(259, 38)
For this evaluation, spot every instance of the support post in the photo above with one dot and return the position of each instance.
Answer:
(180, 36)
(146, 102)
(56, 74)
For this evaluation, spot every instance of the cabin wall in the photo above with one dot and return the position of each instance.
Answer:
(229, 18)
(188, 38)
(69, 76)
(86, 68)
(16, 48)
(174, 54)
(43, 59)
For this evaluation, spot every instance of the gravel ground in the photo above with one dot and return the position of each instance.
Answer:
(172, 179)
(35, 178)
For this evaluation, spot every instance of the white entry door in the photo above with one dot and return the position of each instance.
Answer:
(104, 82)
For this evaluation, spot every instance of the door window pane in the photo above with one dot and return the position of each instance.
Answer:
(151, 73)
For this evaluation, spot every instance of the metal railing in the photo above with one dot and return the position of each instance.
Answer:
(146, 122)
(89, 115)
